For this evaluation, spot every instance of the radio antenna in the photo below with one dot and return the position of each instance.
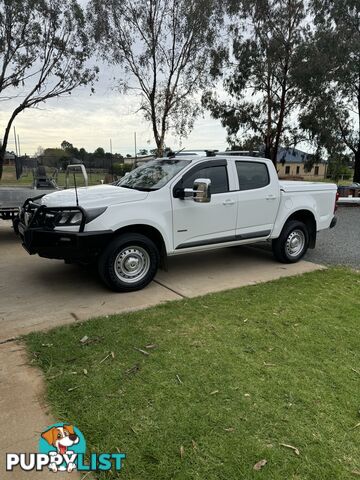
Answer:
(76, 192)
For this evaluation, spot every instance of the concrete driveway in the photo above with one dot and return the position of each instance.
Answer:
(39, 293)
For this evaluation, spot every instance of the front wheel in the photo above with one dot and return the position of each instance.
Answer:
(129, 262)
(292, 243)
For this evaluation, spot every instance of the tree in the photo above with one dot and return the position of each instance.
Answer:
(163, 47)
(65, 145)
(143, 151)
(43, 51)
(99, 152)
(260, 72)
(332, 79)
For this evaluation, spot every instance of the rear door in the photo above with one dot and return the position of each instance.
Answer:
(198, 224)
(258, 199)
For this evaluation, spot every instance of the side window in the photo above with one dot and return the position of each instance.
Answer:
(252, 175)
(217, 175)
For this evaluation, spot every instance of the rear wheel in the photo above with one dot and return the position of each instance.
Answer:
(129, 262)
(292, 243)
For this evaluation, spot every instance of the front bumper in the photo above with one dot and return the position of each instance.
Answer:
(333, 222)
(69, 246)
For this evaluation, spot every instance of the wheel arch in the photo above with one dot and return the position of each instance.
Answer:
(151, 232)
(308, 218)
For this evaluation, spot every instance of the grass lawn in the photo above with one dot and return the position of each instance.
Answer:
(232, 377)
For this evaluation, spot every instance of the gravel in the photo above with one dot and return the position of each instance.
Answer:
(341, 244)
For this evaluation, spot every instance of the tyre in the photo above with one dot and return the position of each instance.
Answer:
(15, 222)
(129, 262)
(292, 243)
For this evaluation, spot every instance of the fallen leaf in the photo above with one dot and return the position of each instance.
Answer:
(295, 450)
(105, 358)
(73, 388)
(260, 464)
(182, 452)
(55, 376)
(141, 351)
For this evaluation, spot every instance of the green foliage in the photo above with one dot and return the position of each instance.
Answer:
(231, 377)
(339, 167)
(331, 79)
(261, 83)
(163, 47)
(43, 53)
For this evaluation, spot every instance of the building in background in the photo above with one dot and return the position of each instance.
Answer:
(297, 164)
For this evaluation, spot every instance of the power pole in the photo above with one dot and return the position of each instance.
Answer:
(111, 161)
(16, 148)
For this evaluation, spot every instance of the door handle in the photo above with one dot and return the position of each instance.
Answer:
(271, 197)
(228, 202)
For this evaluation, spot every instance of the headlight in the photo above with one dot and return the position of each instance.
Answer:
(68, 217)
(74, 217)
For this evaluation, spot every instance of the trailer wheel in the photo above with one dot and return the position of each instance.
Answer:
(292, 243)
(129, 262)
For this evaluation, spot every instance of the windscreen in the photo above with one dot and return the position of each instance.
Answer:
(153, 175)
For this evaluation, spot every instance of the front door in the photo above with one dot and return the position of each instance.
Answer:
(198, 224)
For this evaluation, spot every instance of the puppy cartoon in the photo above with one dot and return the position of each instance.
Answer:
(61, 438)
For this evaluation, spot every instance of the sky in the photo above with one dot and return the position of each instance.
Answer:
(90, 121)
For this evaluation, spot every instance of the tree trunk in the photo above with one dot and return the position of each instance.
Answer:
(160, 146)
(2, 155)
(6, 138)
(357, 166)
(267, 142)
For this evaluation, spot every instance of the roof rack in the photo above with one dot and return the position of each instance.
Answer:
(211, 153)
(241, 153)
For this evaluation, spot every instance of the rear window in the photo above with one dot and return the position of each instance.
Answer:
(252, 175)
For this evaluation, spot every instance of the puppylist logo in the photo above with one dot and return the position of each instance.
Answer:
(62, 448)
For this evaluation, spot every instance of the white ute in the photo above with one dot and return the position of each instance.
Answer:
(176, 206)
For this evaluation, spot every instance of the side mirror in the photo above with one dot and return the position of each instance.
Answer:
(201, 191)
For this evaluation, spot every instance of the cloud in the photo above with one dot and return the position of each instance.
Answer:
(90, 121)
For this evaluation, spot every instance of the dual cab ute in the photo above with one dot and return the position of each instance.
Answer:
(176, 206)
